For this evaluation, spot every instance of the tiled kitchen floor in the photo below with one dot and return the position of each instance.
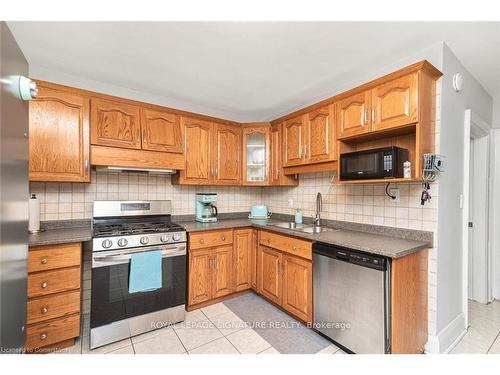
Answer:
(214, 329)
(483, 335)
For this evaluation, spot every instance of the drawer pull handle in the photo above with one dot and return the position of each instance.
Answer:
(202, 241)
(43, 336)
(223, 238)
(44, 310)
(44, 261)
(44, 285)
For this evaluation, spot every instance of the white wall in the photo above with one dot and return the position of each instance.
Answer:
(495, 240)
(453, 105)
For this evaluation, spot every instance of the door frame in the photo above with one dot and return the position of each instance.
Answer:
(475, 127)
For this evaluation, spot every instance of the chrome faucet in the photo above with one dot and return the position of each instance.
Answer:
(319, 208)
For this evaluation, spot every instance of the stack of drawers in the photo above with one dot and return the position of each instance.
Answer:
(54, 275)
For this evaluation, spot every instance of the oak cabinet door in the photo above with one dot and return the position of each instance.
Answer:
(254, 258)
(395, 103)
(115, 124)
(256, 154)
(200, 277)
(275, 176)
(354, 115)
(227, 154)
(222, 271)
(320, 137)
(59, 136)
(297, 287)
(293, 141)
(161, 131)
(197, 151)
(270, 274)
(243, 243)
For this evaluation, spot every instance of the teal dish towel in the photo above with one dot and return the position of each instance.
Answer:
(145, 272)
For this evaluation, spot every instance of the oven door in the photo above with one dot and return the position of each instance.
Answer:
(110, 299)
(361, 165)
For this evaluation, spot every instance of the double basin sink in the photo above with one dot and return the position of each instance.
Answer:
(305, 228)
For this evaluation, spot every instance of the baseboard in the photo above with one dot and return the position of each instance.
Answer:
(448, 337)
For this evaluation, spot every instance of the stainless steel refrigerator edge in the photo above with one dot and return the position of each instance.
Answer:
(14, 192)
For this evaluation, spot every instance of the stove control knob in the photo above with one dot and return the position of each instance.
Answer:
(176, 237)
(122, 242)
(164, 238)
(144, 240)
(107, 244)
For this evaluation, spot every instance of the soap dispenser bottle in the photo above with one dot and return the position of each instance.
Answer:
(298, 216)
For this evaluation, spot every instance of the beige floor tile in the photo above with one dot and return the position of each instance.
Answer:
(340, 351)
(228, 323)
(150, 334)
(166, 343)
(197, 334)
(103, 349)
(247, 341)
(473, 343)
(270, 350)
(330, 349)
(490, 311)
(125, 350)
(495, 348)
(74, 349)
(219, 346)
(216, 309)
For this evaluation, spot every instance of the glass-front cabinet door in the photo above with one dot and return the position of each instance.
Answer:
(256, 154)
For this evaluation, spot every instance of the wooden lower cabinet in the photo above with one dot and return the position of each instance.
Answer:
(200, 278)
(254, 264)
(243, 243)
(271, 281)
(53, 308)
(222, 271)
(297, 287)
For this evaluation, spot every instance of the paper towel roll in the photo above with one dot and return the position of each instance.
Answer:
(34, 214)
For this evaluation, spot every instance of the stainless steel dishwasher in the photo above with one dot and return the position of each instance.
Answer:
(352, 298)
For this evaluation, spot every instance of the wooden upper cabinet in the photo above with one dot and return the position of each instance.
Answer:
(395, 103)
(297, 287)
(227, 154)
(320, 138)
(161, 131)
(197, 151)
(59, 135)
(270, 282)
(293, 141)
(115, 124)
(354, 115)
(256, 154)
(275, 165)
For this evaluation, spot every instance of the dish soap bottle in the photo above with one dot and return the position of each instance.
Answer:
(298, 216)
(407, 169)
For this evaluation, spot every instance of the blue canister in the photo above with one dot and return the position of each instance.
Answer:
(298, 216)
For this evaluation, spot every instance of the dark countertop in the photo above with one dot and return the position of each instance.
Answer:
(60, 235)
(389, 246)
(374, 243)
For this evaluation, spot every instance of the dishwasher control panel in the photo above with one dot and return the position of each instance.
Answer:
(351, 256)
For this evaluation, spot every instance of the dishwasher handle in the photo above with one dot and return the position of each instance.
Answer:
(351, 256)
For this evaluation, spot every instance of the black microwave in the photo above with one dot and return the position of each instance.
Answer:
(378, 163)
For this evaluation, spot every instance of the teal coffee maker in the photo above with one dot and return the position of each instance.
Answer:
(206, 211)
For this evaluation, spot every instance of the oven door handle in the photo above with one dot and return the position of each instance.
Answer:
(120, 258)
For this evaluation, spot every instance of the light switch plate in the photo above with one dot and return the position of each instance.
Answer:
(290, 203)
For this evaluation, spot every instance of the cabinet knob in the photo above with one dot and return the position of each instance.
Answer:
(202, 241)
(44, 285)
(44, 261)
(294, 248)
(44, 310)
(223, 238)
(43, 336)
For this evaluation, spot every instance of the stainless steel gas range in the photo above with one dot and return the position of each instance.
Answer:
(120, 229)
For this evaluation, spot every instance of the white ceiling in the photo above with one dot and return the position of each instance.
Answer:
(247, 71)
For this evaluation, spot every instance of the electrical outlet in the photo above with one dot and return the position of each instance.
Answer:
(290, 203)
(394, 193)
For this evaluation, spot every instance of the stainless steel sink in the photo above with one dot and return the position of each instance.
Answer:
(316, 230)
(291, 225)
